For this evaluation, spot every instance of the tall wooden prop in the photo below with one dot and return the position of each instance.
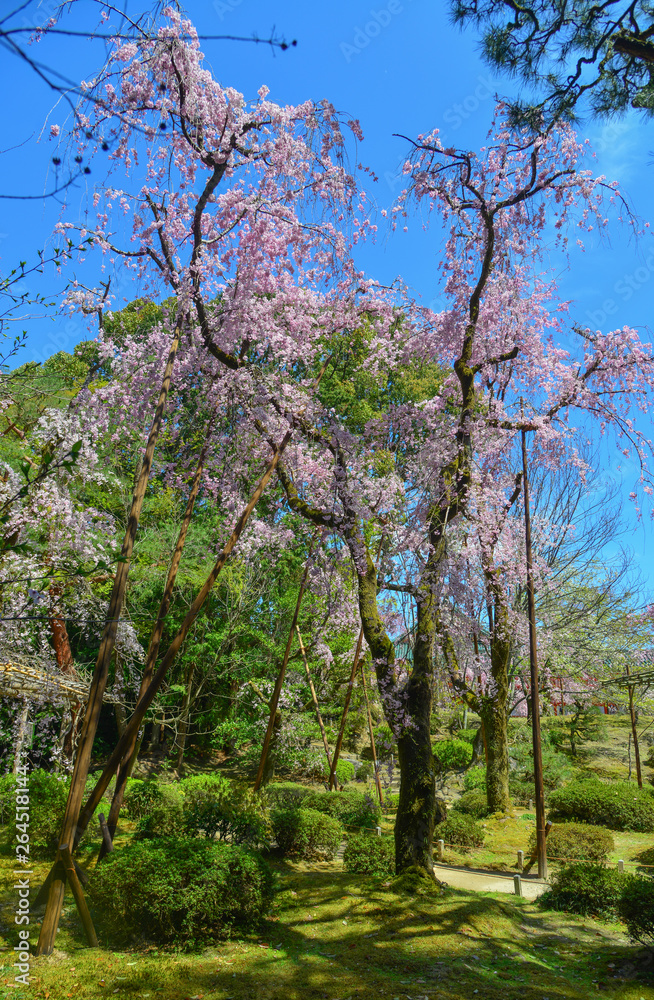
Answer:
(274, 701)
(632, 714)
(541, 834)
(99, 682)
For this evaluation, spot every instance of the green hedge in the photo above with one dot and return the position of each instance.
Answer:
(460, 830)
(306, 833)
(588, 889)
(636, 908)
(577, 842)
(366, 854)
(350, 807)
(214, 806)
(474, 803)
(452, 754)
(182, 891)
(618, 805)
(287, 794)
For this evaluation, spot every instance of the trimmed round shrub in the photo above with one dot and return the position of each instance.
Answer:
(577, 842)
(364, 770)
(214, 806)
(306, 833)
(344, 771)
(475, 777)
(141, 797)
(48, 794)
(460, 830)
(617, 805)
(287, 794)
(636, 908)
(467, 735)
(452, 754)
(473, 803)
(350, 807)
(369, 855)
(165, 817)
(587, 889)
(182, 892)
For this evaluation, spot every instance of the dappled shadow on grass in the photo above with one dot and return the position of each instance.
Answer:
(335, 935)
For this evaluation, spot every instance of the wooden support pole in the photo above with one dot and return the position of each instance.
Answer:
(314, 699)
(78, 893)
(127, 763)
(632, 714)
(348, 695)
(107, 643)
(274, 701)
(541, 834)
(372, 736)
(144, 702)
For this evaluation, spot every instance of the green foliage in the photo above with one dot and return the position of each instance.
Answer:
(385, 742)
(636, 908)
(287, 795)
(368, 855)
(215, 806)
(7, 797)
(180, 892)
(588, 889)
(571, 733)
(344, 771)
(467, 735)
(306, 833)
(577, 842)
(364, 770)
(165, 816)
(556, 766)
(141, 797)
(618, 805)
(351, 807)
(473, 803)
(452, 754)
(47, 794)
(475, 777)
(460, 830)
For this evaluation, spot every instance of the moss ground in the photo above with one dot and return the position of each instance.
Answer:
(336, 936)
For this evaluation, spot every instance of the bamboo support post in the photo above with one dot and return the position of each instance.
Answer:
(314, 698)
(107, 643)
(78, 893)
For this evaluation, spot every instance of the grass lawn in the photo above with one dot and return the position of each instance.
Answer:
(337, 936)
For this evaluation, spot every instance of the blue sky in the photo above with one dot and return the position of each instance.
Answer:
(397, 66)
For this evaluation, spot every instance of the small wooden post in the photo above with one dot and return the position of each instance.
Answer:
(106, 836)
(521, 860)
(620, 866)
(517, 885)
(80, 901)
(440, 847)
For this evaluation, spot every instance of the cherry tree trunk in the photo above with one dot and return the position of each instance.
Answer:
(493, 715)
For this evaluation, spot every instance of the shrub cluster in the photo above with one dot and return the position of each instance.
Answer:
(473, 803)
(577, 841)
(165, 815)
(461, 830)
(215, 806)
(369, 855)
(287, 794)
(452, 754)
(618, 805)
(588, 889)
(351, 807)
(181, 891)
(475, 777)
(344, 772)
(306, 833)
(140, 797)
